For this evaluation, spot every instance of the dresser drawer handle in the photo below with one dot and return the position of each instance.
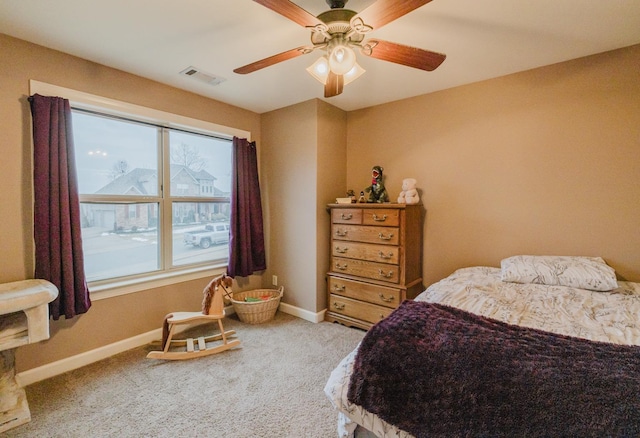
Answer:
(341, 250)
(382, 274)
(379, 219)
(384, 256)
(383, 237)
(341, 233)
(339, 306)
(346, 217)
(344, 267)
(386, 300)
(339, 287)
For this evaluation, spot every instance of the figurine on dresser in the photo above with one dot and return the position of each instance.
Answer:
(377, 191)
(409, 193)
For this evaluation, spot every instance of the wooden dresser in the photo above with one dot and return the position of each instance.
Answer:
(376, 261)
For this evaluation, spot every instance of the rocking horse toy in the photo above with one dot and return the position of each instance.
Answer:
(212, 310)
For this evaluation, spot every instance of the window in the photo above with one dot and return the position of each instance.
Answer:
(153, 198)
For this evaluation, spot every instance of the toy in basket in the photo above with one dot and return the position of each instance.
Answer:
(256, 306)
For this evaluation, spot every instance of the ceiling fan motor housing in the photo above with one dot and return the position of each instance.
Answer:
(335, 4)
(338, 22)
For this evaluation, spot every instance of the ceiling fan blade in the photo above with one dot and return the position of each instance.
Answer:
(401, 54)
(291, 11)
(334, 85)
(385, 11)
(271, 60)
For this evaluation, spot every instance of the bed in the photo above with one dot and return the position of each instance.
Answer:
(542, 346)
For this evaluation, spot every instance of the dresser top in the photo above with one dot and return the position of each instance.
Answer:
(374, 205)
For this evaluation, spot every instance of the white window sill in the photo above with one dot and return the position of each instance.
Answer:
(104, 290)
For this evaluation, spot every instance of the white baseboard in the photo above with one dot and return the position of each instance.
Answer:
(301, 313)
(88, 357)
(62, 366)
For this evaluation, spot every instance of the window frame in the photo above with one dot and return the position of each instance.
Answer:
(169, 274)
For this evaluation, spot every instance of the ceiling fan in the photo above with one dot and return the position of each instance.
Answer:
(338, 31)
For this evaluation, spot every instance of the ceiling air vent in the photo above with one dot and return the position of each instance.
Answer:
(202, 76)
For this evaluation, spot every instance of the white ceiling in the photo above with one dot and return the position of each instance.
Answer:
(157, 39)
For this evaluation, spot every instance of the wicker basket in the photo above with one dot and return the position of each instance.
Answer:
(256, 312)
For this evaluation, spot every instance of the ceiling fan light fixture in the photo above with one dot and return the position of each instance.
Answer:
(320, 69)
(353, 74)
(342, 59)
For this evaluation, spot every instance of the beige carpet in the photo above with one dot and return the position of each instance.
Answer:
(271, 386)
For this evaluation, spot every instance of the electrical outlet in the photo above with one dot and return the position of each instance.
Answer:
(274, 280)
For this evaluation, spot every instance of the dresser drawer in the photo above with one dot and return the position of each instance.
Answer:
(381, 217)
(358, 309)
(366, 251)
(371, 293)
(362, 268)
(346, 216)
(368, 234)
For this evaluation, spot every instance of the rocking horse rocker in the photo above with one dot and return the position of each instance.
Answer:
(212, 310)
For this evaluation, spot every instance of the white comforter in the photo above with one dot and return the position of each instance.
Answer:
(599, 316)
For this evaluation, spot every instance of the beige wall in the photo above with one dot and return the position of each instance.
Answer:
(331, 183)
(304, 160)
(542, 162)
(112, 319)
(288, 162)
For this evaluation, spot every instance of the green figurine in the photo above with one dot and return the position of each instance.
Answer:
(377, 192)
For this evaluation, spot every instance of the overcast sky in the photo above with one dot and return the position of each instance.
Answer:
(101, 142)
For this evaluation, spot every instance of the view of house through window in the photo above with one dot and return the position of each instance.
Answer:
(152, 198)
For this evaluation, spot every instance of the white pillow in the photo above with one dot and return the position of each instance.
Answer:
(581, 272)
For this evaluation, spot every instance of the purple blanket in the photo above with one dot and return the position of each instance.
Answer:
(437, 371)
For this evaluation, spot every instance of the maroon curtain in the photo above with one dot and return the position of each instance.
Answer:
(246, 243)
(58, 242)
